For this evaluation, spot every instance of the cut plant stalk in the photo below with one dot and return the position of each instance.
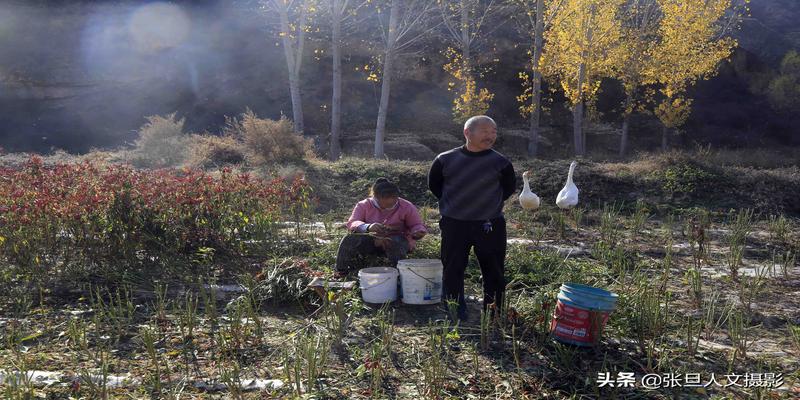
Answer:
(640, 217)
(740, 225)
(577, 217)
(794, 330)
(187, 321)
(486, 330)
(778, 227)
(694, 279)
(230, 376)
(148, 336)
(694, 330)
(609, 218)
(750, 288)
(712, 321)
(433, 363)
(739, 332)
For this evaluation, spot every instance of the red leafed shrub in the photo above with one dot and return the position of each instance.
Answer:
(116, 219)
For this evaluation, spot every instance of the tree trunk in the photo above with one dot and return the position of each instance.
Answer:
(664, 138)
(623, 140)
(538, 44)
(577, 128)
(577, 113)
(465, 40)
(464, 43)
(336, 101)
(380, 128)
(293, 64)
(626, 122)
(577, 121)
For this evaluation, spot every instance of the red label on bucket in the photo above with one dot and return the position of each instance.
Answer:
(577, 324)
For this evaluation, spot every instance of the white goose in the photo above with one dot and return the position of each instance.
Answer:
(568, 196)
(527, 199)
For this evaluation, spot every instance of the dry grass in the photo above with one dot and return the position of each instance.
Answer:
(762, 158)
(161, 142)
(268, 141)
(208, 151)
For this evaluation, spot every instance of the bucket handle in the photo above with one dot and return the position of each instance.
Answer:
(375, 285)
(415, 273)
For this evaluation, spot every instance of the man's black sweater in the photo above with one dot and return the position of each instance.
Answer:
(471, 186)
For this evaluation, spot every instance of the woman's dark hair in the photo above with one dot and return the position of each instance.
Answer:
(384, 188)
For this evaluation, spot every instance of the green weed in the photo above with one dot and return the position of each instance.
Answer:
(577, 217)
(778, 227)
(97, 384)
(564, 356)
(76, 332)
(115, 310)
(609, 220)
(640, 217)
(740, 225)
(740, 334)
(650, 317)
(786, 262)
(794, 330)
(694, 330)
(231, 376)
(18, 384)
(750, 288)
(714, 317)
(148, 337)
(558, 224)
(433, 364)
(306, 361)
(694, 278)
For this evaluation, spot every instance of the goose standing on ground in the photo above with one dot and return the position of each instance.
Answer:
(527, 199)
(568, 196)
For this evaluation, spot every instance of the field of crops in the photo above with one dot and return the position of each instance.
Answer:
(174, 283)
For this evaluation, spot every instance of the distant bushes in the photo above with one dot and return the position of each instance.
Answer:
(208, 151)
(783, 91)
(268, 141)
(161, 142)
(247, 139)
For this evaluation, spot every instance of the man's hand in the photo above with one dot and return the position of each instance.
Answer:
(418, 235)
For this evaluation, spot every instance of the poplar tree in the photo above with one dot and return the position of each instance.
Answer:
(530, 19)
(292, 18)
(577, 54)
(692, 42)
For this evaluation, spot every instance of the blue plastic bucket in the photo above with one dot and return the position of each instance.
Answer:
(581, 314)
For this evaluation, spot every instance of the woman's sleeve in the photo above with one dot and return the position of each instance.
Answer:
(357, 217)
(414, 221)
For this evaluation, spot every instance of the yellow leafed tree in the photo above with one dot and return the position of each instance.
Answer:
(691, 43)
(464, 25)
(578, 53)
(633, 61)
(530, 18)
(469, 100)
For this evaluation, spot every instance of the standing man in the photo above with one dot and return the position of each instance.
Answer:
(471, 183)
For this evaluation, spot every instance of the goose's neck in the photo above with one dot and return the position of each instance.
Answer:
(525, 182)
(571, 171)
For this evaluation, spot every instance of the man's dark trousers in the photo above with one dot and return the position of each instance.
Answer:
(458, 237)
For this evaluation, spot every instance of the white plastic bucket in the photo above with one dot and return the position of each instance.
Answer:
(421, 280)
(378, 284)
